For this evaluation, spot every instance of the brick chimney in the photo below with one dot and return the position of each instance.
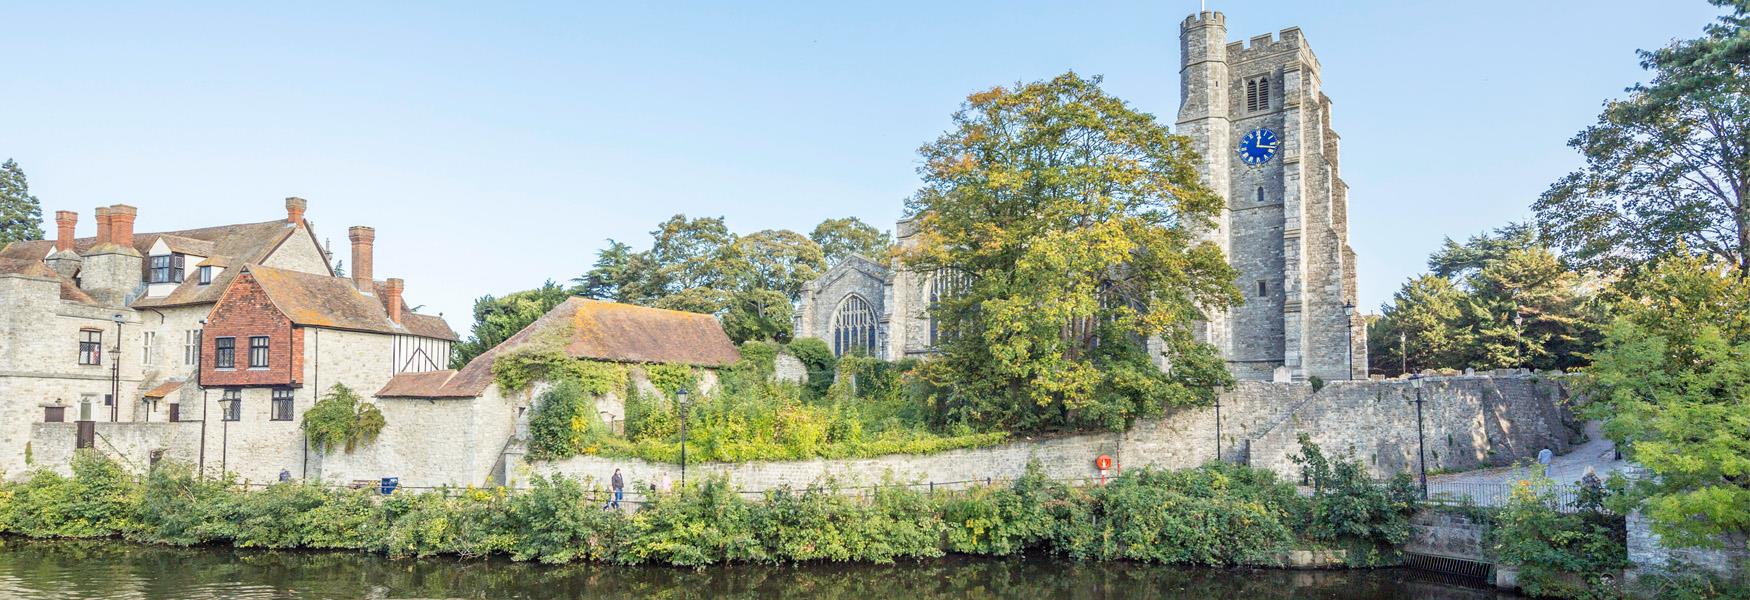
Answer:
(64, 222)
(295, 209)
(103, 225)
(363, 239)
(121, 224)
(392, 289)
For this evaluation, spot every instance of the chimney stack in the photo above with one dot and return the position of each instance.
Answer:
(64, 222)
(121, 224)
(103, 225)
(295, 210)
(392, 289)
(363, 239)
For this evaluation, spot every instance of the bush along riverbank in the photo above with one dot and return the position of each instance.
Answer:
(1213, 515)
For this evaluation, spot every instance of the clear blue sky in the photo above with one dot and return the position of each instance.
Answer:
(494, 147)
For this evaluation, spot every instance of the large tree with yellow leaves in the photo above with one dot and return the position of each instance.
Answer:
(1062, 224)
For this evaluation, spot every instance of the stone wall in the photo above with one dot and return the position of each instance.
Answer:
(1517, 414)
(1434, 532)
(1649, 555)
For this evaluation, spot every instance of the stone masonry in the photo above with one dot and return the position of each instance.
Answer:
(1468, 421)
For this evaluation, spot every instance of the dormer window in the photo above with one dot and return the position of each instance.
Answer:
(165, 268)
(206, 275)
(1258, 93)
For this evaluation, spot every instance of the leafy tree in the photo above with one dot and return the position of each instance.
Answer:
(21, 214)
(1672, 384)
(775, 259)
(689, 254)
(341, 420)
(1668, 165)
(617, 271)
(496, 319)
(1426, 313)
(758, 314)
(841, 238)
(1072, 216)
(1499, 300)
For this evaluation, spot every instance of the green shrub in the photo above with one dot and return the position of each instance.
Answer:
(703, 524)
(341, 419)
(471, 523)
(182, 509)
(99, 500)
(1560, 554)
(1347, 505)
(558, 521)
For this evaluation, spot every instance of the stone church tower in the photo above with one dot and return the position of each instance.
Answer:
(1285, 228)
(1256, 114)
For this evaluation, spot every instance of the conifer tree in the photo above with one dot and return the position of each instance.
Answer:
(21, 214)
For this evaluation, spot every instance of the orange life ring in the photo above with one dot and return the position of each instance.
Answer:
(1103, 463)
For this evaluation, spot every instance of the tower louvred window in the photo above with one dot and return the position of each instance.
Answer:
(1258, 93)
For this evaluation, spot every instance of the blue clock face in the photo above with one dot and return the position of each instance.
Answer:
(1258, 146)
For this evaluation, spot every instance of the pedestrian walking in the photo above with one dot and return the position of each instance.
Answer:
(664, 483)
(618, 484)
(285, 475)
(1544, 456)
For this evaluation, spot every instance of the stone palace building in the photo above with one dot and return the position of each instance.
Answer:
(1255, 112)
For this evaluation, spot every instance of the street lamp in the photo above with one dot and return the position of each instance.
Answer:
(227, 407)
(115, 372)
(1403, 353)
(680, 397)
(1421, 451)
(1349, 311)
(1518, 344)
(1218, 391)
(199, 352)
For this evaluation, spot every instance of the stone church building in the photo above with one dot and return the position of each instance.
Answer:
(1256, 113)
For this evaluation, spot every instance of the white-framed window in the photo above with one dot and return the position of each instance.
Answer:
(206, 275)
(147, 340)
(191, 347)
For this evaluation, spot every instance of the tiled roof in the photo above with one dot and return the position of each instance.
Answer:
(614, 332)
(431, 326)
(37, 268)
(239, 244)
(327, 301)
(164, 389)
(431, 384)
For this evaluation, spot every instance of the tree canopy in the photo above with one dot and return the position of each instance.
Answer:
(1499, 300)
(1667, 165)
(1068, 219)
(841, 238)
(496, 319)
(21, 214)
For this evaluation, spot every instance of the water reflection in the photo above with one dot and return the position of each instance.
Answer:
(107, 569)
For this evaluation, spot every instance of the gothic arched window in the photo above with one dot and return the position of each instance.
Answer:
(853, 326)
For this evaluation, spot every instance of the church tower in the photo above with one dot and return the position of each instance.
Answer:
(1255, 113)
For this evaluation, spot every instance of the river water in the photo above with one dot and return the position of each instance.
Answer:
(117, 570)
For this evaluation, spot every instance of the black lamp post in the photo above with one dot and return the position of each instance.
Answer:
(227, 407)
(681, 403)
(115, 372)
(1218, 392)
(1349, 311)
(1518, 344)
(1421, 450)
(1403, 353)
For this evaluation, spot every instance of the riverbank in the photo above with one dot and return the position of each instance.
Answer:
(1217, 515)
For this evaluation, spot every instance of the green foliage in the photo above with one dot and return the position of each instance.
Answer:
(496, 319)
(671, 378)
(1672, 384)
(97, 501)
(758, 314)
(1346, 503)
(839, 239)
(1217, 515)
(1499, 300)
(818, 359)
(564, 422)
(1072, 218)
(21, 214)
(1560, 554)
(1668, 165)
(341, 420)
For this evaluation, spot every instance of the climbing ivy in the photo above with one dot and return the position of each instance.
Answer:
(340, 419)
